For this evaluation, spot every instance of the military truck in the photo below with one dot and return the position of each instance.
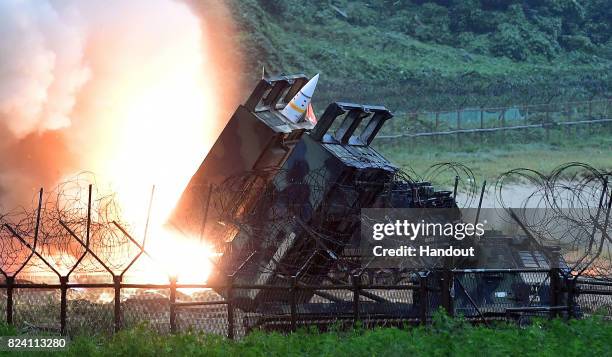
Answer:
(281, 203)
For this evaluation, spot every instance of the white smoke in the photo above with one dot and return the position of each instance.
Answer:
(41, 65)
(107, 86)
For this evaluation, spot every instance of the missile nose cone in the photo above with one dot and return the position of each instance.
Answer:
(295, 109)
(309, 87)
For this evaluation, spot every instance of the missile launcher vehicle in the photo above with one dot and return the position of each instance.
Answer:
(280, 200)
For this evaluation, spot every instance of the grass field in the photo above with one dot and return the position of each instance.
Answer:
(446, 337)
(492, 158)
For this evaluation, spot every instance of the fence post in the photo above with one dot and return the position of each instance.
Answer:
(423, 298)
(555, 290)
(459, 141)
(605, 115)
(503, 124)
(571, 295)
(173, 280)
(590, 116)
(481, 124)
(117, 308)
(356, 284)
(412, 143)
(293, 304)
(10, 281)
(568, 117)
(547, 124)
(230, 308)
(63, 303)
(526, 122)
(436, 126)
(446, 284)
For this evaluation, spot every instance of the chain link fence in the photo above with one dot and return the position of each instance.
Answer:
(482, 296)
(541, 120)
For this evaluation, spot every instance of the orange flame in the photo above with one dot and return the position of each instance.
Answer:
(164, 117)
(161, 78)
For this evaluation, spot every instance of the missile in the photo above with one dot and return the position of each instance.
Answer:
(295, 109)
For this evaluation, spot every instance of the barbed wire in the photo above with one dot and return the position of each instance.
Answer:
(261, 208)
(42, 235)
(569, 208)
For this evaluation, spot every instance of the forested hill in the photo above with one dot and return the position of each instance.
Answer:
(412, 54)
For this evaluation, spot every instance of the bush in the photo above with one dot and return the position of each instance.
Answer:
(498, 4)
(577, 43)
(361, 15)
(274, 7)
(509, 42)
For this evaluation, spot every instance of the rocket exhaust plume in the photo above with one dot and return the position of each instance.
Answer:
(103, 86)
(132, 91)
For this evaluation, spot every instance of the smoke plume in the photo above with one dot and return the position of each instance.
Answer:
(126, 89)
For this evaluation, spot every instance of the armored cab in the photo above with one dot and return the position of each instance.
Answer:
(256, 136)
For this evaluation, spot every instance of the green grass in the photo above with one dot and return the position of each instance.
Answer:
(492, 158)
(446, 337)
